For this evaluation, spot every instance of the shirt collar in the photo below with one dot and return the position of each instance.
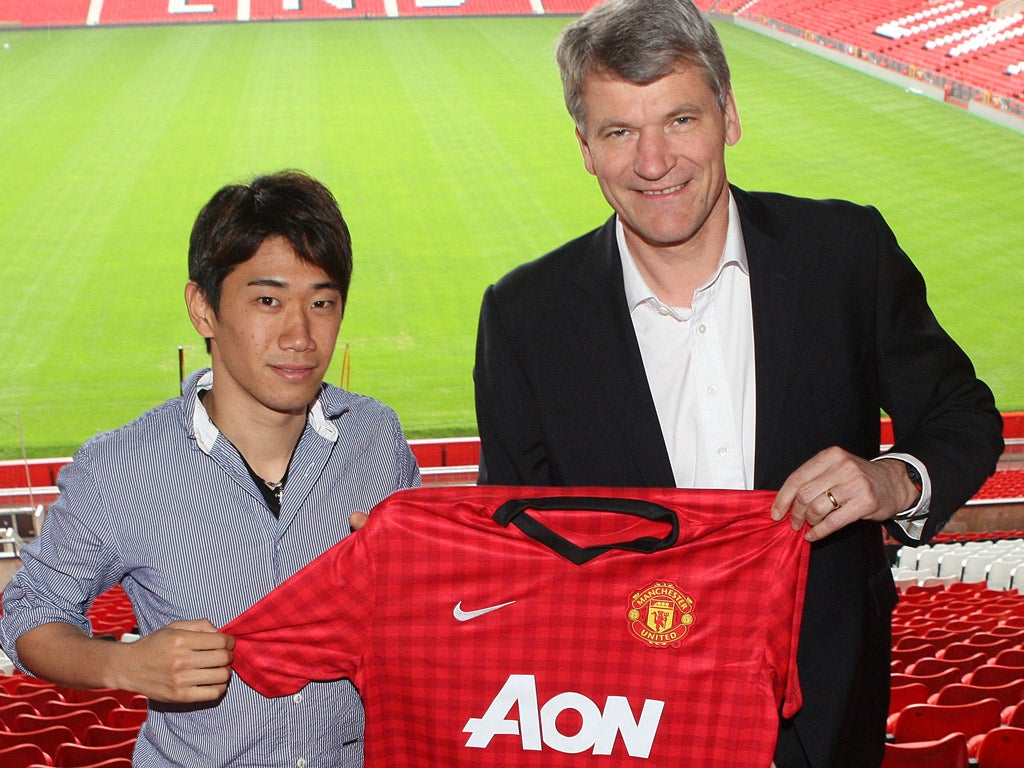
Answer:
(206, 433)
(637, 290)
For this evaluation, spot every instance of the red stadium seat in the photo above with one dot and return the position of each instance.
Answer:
(38, 698)
(931, 665)
(1014, 716)
(71, 755)
(991, 644)
(9, 712)
(1004, 630)
(123, 717)
(993, 674)
(47, 739)
(934, 682)
(959, 650)
(947, 752)
(101, 706)
(1010, 657)
(913, 653)
(21, 682)
(128, 699)
(902, 696)
(1008, 695)
(102, 735)
(78, 722)
(928, 722)
(1001, 748)
(23, 756)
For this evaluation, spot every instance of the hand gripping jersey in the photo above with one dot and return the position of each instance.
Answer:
(493, 626)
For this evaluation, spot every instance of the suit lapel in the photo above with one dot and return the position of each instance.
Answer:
(611, 360)
(774, 306)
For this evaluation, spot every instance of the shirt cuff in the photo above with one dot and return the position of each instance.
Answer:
(912, 520)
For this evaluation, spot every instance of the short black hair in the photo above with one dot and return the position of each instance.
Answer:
(239, 218)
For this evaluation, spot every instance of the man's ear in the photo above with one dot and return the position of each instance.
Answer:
(732, 121)
(199, 310)
(585, 149)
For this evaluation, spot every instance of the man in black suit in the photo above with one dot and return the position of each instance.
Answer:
(710, 337)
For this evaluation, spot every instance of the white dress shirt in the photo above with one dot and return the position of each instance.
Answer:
(699, 362)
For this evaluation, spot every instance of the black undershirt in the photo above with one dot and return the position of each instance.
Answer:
(270, 494)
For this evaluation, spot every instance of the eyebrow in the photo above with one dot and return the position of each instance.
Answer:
(269, 282)
(686, 108)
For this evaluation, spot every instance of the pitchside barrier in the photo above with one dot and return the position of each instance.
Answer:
(454, 460)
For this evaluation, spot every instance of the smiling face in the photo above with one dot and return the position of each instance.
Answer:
(658, 152)
(272, 336)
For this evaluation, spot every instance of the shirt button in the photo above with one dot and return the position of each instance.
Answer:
(722, 450)
(712, 389)
(300, 763)
(702, 328)
(297, 698)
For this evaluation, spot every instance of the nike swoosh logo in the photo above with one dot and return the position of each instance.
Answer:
(461, 615)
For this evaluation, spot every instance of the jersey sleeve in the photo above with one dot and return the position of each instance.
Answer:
(311, 627)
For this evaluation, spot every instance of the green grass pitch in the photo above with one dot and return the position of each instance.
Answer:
(447, 145)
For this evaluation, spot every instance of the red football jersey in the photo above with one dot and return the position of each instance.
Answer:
(620, 625)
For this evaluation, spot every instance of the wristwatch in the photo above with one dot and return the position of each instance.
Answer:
(914, 475)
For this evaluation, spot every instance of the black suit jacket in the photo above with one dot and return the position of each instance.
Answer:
(842, 329)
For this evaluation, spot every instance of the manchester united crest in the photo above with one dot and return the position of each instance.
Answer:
(660, 614)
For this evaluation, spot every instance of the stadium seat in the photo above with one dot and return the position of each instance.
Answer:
(947, 752)
(912, 654)
(959, 650)
(934, 682)
(939, 581)
(992, 644)
(47, 739)
(929, 722)
(1001, 748)
(1008, 695)
(975, 566)
(38, 698)
(23, 756)
(1003, 630)
(72, 755)
(123, 717)
(1014, 716)
(999, 572)
(933, 665)
(78, 722)
(128, 699)
(9, 712)
(101, 706)
(102, 735)
(994, 674)
(902, 696)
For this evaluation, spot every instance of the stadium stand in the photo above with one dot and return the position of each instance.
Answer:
(66, 727)
(961, 46)
(968, 676)
(971, 53)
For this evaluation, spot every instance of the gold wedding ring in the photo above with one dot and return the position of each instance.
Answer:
(830, 497)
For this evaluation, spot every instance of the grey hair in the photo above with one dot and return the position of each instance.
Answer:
(639, 41)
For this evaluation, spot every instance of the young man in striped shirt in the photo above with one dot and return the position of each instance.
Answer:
(204, 504)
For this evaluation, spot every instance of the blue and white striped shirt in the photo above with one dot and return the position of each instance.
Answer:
(166, 507)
